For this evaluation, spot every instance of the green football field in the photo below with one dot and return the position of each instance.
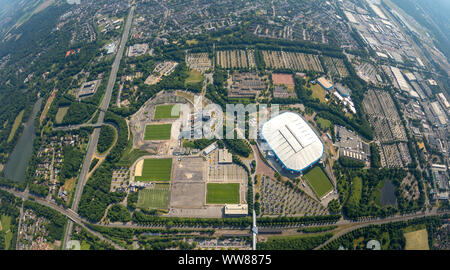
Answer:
(222, 193)
(156, 170)
(165, 111)
(318, 181)
(156, 198)
(157, 132)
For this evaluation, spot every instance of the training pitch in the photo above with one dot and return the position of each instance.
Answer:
(156, 170)
(165, 112)
(157, 132)
(222, 193)
(319, 182)
(155, 198)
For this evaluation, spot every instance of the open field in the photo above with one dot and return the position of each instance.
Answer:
(85, 246)
(156, 170)
(319, 182)
(222, 193)
(154, 198)
(60, 114)
(15, 126)
(5, 228)
(165, 112)
(324, 124)
(417, 240)
(157, 132)
(356, 191)
(47, 106)
(318, 92)
(194, 77)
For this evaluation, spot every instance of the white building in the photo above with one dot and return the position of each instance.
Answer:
(293, 141)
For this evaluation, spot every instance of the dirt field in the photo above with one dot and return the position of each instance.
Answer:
(139, 166)
(417, 240)
(283, 79)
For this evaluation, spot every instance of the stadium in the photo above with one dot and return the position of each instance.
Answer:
(292, 141)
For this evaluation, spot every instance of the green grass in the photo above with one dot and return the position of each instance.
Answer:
(15, 126)
(6, 228)
(356, 191)
(318, 181)
(194, 77)
(157, 132)
(318, 92)
(156, 170)
(222, 193)
(165, 112)
(156, 198)
(324, 124)
(62, 111)
(85, 246)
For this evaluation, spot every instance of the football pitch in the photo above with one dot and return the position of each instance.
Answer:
(165, 112)
(319, 182)
(155, 198)
(156, 170)
(157, 132)
(222, 193)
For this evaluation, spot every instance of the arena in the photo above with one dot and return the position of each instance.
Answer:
(292, 141)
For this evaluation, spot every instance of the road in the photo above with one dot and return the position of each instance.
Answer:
(73, 217)
(93, 140)
(358, 225)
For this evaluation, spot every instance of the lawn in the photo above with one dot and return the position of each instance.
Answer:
(156, 198)
(324, 124)
(15, 126)
(318, 92)
(194, 77)
(165, 111)
(6, 228)
(356, 191)
(62, 111)
(222, 193)
(318, 181)
(85, 246)
(156, 170)
(157, 132)
(417, 240)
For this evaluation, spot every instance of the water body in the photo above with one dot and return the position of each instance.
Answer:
(388, 194)
(17, 163)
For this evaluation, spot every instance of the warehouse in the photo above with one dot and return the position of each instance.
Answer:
(292, 141)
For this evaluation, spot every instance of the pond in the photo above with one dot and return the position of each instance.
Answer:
(388, 194)
(17, 163)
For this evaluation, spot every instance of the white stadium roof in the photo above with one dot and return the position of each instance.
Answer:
(293, 141)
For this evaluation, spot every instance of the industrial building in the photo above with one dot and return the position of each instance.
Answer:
(292, 141)
(88, 89)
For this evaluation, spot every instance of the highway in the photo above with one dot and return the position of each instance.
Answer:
(69, 213)
(93, 140)
(354, 225)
